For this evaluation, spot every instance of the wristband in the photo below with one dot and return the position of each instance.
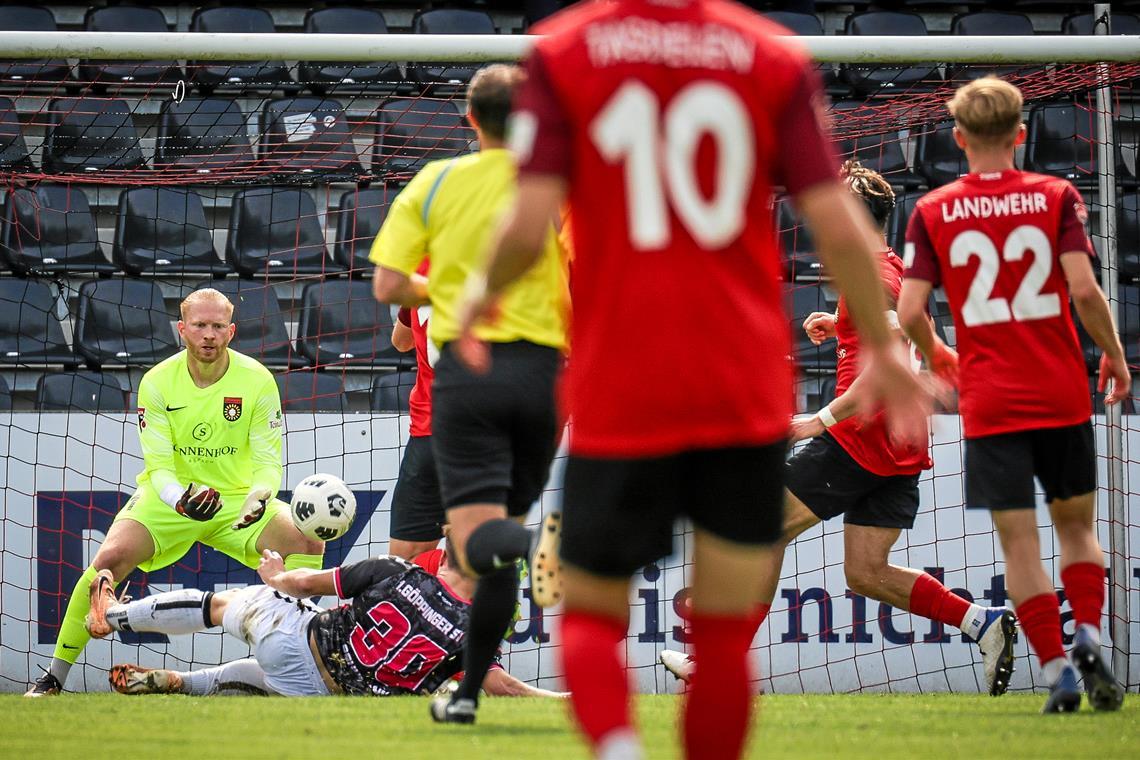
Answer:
(826, 417)
(171, 494)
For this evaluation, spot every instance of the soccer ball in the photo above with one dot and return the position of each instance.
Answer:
(323, 507)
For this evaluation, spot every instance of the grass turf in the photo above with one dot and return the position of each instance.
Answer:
(833, 726)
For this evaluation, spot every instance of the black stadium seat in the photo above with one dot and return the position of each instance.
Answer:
(806, 25)
(989, 23)
(1061, 142)
(448, 21)
(886, 80)
(802, 300)
(879, 152)
(208, 75)
(202, 136)
(308, 391)
(1082, 23)
(276, 230)
(359, 216)
(799, 249)
(5, 396)
(30, 331)
(896, 225)
(260, 321)
(20, 73)
(163, 231)
(321, 77)
(342, 324)
(123, 322)
(410, 133)
(1128, 236)
(1129, 316)
(390, 391)
(14, 156)
(81, 392)
(89, 135)
(937, 157)
(51, 229)
(133, 18)
(307, 138)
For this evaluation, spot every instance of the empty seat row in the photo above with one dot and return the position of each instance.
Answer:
(126, 323)
(163, 231)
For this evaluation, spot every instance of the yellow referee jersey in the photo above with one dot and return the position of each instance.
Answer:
(448, 212)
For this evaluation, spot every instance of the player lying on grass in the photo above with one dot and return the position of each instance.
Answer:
(852, 467)
(210, 426)
(401, 633)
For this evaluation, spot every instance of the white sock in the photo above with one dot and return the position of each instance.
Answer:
(1052, 670)
(973, 621)
(59, 668)
(621, 744)
(1091, 631)
(169, 612)
(239, 675)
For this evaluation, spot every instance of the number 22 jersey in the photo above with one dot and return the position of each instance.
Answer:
(994, 242)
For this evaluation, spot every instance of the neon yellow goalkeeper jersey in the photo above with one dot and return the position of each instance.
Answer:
(226, 436)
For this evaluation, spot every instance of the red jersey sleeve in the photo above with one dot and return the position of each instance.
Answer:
(1072, 236)
(539, 129)
(919, 258)
(806, 156)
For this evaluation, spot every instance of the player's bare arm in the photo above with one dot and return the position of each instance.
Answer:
(916, 324)
(392, 286)
(402, 339)
(301, 582)
(1092, 308)
(500, 683)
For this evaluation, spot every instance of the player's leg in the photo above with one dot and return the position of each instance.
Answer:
(240, 676)
(280, 534)
(186, 610)
(417, 508)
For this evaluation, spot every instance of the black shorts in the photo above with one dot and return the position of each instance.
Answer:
(495, 435)
(829, 482)
(619, 514)
(417, 507)
(1000, 468)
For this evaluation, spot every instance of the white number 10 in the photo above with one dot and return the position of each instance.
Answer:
(660, 155)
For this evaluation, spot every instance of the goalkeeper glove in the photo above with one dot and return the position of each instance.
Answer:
(253, 508)
(199, 503)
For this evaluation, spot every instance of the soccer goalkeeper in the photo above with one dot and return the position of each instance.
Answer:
(210, 428)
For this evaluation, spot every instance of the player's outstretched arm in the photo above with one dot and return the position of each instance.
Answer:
(500, 683)
(297, 583)
(1092, 308)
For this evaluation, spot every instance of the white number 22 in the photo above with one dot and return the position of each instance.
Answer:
(1029, 302)
(659, 153)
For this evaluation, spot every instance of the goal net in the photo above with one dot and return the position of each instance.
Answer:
(127, 184)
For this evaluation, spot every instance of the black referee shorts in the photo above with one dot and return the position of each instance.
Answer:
(417, 507)
(495, 435)
(1000, 468)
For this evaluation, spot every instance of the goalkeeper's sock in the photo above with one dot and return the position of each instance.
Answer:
(184, 611)
(932, 600)
(1084, 588)
(718, 706)
(310, 561)
(73, 636)
(496, 544)
(1040, 618)
(491, 613)
(240, 675)
(595, 678)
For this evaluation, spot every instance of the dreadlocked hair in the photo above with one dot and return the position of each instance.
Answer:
(875, 191)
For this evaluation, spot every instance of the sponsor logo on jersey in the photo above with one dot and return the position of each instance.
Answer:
(202, 431)
(277, 421)
(142, 418)
(205, 452)
(231, 408)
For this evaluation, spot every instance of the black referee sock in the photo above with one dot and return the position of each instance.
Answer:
(491, 611)
(496, 544)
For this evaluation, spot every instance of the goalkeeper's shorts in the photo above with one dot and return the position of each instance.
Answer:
(174, 534)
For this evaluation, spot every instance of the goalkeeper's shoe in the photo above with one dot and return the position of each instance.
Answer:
(1064, 694)
(46, 685)
(1105, 692)
(679, 664)
(545, 564)
(132, 679)
(996, 644)
(447, 710)
(102, 598)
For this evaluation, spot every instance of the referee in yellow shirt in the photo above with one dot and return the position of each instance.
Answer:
(495, 433)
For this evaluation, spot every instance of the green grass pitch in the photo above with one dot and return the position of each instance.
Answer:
(838, 727)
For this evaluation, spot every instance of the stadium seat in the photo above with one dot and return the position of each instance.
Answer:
(90, 135)
(276, 230)
(807, 25)
(987, 23)
(937, 157)
(1061, 142)
(163, 231)
(203, 136)
(410, 133)
(1128, 314)
(123, 322)
(30, 331)
(81, 392)
(127, 18)
(887, 80)
(448, 21)
(896, 225)
(260, 320)
(307, 138)
(390, 392)
(802, 300)
(5, 396)
(321, 77)
(1128, 236)
(14, 156)
(1082, 23)
(309, 391)
(342, 324)
(799, 250)
(51, 229)
(24, 72)
(359, 216)
(880, 152)
(207, 75)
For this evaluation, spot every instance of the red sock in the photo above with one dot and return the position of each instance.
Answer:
(932, 600)
(718, 707)
(1084, 586)
(1040, 618)
(599, 688)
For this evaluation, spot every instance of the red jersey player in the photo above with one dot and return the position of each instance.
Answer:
(666, 124)
(853, 468)
(1010, 247)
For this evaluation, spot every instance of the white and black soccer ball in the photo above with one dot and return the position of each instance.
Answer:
(323, 507)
